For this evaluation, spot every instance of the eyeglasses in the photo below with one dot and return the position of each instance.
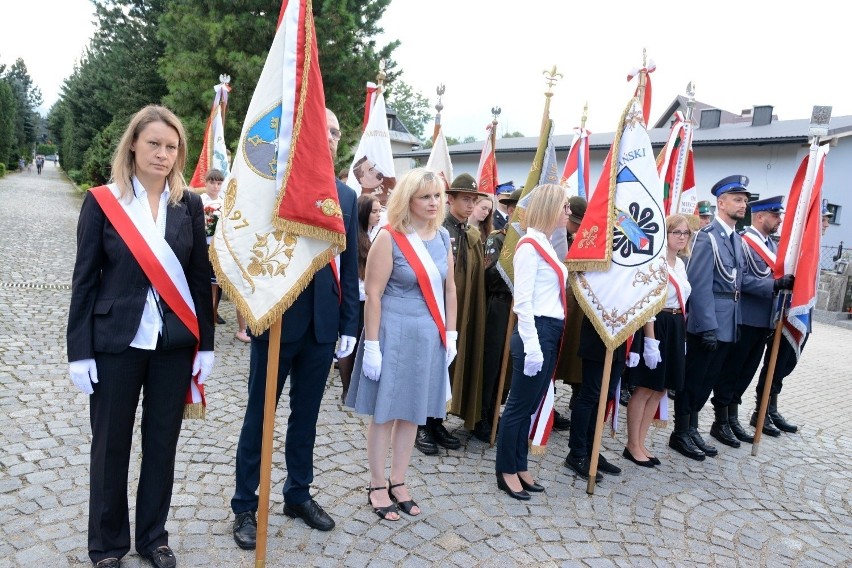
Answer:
(679, 233)
(335, 133)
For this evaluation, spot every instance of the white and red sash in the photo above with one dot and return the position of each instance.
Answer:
(157, 260)
(758, 245)
(428, 277)
(542, 419)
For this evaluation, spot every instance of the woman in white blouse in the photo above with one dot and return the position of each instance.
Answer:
(663, 353)
(539, 302)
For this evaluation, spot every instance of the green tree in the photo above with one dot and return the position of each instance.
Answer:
(234, 38)
(411, 106)
(8, 118)
(514, 134)
(27, 97)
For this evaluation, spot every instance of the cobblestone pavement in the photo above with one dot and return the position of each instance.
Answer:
(789, 506)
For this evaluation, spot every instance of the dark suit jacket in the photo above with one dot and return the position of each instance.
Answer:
(318, 305)
(108, 288)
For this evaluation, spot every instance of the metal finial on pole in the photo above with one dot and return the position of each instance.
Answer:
(439, 106)
(551, 77)
(585, 115)
(495, 112)
(690, 101)
(820, 117)
(381, 76)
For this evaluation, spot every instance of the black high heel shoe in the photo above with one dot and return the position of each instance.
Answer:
(647, 463)
(382, 512)
(534, 487)
(406, 506)
(521, 495)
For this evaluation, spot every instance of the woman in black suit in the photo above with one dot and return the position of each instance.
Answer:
(132, 327)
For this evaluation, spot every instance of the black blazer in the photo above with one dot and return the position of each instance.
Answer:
(108, 288)
(318, 307)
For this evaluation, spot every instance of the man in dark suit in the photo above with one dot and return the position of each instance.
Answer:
(759, 288)
(715, 271)
(327, 308)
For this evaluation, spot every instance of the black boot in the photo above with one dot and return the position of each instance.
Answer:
(697, 439)
(768, 427)
(721, 430)
(441, 436)
(736, 427)
(681, 442)
(424, 441)
(777, 419)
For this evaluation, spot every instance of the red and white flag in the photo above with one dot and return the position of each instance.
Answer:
(372, 170)
(575, 174)
(281, 218)
(486, 173)
(677, 169)
(213, 151)
(798, 248)
(439, 159)
(368, 106)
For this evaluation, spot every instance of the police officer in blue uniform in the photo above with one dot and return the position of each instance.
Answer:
(501, 216)
(756, 303)
(715, 271)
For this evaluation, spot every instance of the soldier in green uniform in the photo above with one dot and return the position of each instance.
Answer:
(498, 304)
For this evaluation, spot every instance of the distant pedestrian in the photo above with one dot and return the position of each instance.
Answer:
(39, 163)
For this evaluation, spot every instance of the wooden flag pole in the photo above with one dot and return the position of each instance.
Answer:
(266, 447)
(767, 383)
(596, 446)
(510, 326)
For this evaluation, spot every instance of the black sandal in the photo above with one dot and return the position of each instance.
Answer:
(406, 506)
(382, 512)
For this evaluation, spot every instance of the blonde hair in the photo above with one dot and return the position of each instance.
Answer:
(672, 223)
(124, 160)
(545, 207)
(408, 186)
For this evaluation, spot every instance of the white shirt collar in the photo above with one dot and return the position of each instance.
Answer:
(139, 189)
(725, 227)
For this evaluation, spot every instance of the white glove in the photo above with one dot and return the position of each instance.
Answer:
(652, 353)
(371, 364)
(83, 373)
(533, 362)
(345, 346)
(632, 359)
(452, 349)
(202, 365)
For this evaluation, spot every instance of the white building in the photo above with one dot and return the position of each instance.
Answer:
(753, 143)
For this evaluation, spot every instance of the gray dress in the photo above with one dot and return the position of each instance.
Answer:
(413, 382)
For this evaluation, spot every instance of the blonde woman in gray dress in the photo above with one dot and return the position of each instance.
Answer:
(400, 376)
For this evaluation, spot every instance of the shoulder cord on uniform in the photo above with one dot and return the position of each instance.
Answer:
(729, 277)
(752, 263)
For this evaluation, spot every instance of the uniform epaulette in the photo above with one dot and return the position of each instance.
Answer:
(707, 229)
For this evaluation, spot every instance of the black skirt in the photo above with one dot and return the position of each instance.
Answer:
(670, 331)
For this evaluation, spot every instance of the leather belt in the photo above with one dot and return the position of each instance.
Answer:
(672, 310)
(735, 295)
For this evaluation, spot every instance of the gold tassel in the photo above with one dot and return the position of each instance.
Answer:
(194, 411)
(656, 423)
(537, 450)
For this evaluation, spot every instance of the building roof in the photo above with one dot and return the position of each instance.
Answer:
(731, 134)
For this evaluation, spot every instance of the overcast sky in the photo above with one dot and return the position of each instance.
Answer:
(488, 53)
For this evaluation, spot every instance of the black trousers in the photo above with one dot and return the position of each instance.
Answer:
(784, 365)
(163, 379)
(584, 416)
(525, 396)
(740, 366)
(703, 369)
(308, 363)
(496, 322)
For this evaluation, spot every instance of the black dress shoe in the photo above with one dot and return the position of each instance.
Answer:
(648, 463)
(768, 427)
(561, 422)
(534, 487)
(424, 441)
(682, 443)
(444, 438)
(245, 530)
(708, 450)
(722, 432)
(162, 557)
(482, 431)
(606, 467)
(107, 563)
(310, 512)
(777, 420)
(521, 495)
(580, 466)
(220, 320)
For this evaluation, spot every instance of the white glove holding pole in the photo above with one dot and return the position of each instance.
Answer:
(632, 359)
(83, 373)
(452, 346)
(652, 353)
(371, 364)
(345, 346)
(533, 362)
(202, 365)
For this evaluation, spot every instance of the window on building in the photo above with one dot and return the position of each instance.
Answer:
(835, 209)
